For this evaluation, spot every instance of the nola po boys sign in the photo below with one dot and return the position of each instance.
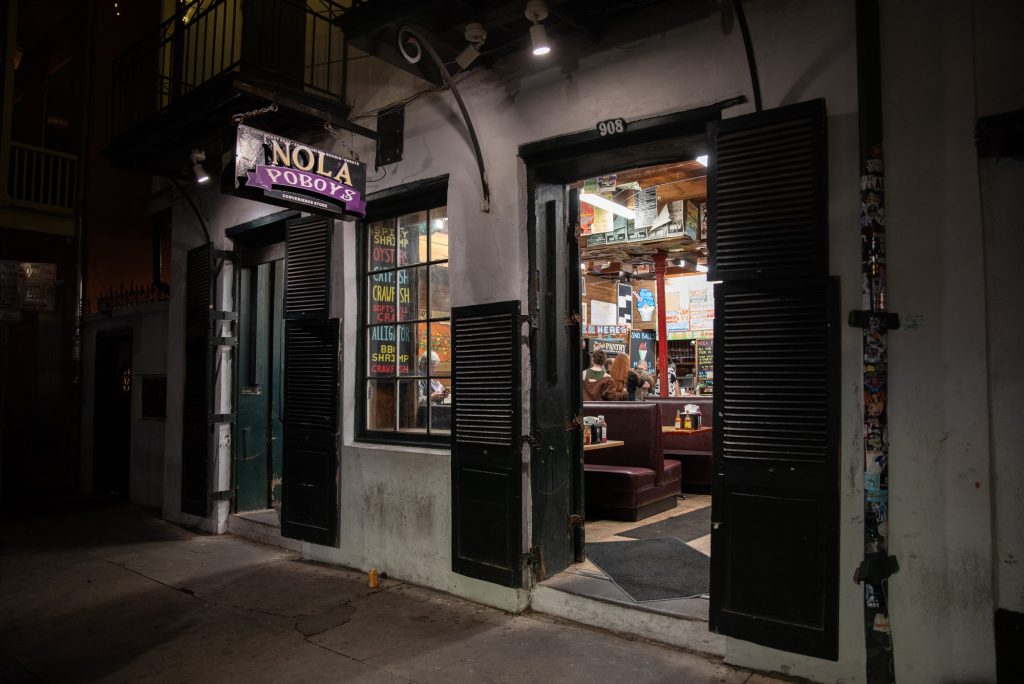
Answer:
(272, 169)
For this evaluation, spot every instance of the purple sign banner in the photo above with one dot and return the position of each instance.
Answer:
(267, 177)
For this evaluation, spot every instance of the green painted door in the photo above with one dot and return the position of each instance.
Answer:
(258, 398)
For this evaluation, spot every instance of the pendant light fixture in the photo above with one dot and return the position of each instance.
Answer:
(198, 157)
(536, 12)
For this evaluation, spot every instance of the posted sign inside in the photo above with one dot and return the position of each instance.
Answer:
(269, 168)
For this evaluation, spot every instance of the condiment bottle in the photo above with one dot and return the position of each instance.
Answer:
(687, 422)
(679, 420)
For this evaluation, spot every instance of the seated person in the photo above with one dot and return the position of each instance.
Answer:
(432, 388)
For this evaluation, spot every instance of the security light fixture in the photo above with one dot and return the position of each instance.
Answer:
(475, 35)
(536, 12)
(198, 157)
(608, 205)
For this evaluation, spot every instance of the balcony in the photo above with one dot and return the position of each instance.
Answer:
(179, 86)
(41, 179)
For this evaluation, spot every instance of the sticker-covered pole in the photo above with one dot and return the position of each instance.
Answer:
(875, 322)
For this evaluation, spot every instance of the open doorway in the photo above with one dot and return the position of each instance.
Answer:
(646, 323)
(112, 441)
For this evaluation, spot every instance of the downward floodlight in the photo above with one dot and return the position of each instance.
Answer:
(198, 157)
(537, 11)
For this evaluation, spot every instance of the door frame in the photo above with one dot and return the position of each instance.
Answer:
(259, 241)
(562, 160)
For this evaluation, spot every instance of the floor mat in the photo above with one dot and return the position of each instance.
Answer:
(653, 569)
(686, 527)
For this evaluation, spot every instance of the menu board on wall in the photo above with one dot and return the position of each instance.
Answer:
(642, 346)
(705, 362)
(37, 284)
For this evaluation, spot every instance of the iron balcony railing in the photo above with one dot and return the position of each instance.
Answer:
(42, 179)
(297, 42)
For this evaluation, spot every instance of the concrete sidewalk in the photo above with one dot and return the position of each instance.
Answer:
(107, 592)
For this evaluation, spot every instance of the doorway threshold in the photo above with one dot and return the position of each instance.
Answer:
(596, 601)
(262, 526)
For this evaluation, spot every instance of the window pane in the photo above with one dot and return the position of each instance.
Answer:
(440, 293)
(441, 412)
(381, 294)
(412, 239)
(412, 294)
(412, 347)
(441, 345)
(380, 405)
(439, 234)
(381, 346)
(382, 245)
(412, 409)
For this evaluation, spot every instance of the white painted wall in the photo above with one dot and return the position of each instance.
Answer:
(395, 501)
(940, 480)
(998, 27)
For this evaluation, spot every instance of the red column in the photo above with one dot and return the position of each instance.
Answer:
(659, 272)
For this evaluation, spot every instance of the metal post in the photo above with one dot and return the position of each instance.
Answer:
(875, 322)
(659, 272)
(10, 45)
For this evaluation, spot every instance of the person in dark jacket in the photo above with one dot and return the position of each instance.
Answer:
(597, 384)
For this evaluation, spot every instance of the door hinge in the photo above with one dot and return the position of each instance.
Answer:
(223, 495)
(528, 439)
(576, 232)
(575, 520)
(575, 423)
(573, 319)
(525, 318)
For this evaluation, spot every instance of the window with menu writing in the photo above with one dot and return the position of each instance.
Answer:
(408, 326)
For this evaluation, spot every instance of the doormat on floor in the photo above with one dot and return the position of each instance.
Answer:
(653, 569)
(685, 527)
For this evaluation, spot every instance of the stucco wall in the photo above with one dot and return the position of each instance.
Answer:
(998, 27)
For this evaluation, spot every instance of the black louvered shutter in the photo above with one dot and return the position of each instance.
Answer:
(486, 452)
(310, 464)
(768, 174)
(307, 291)
(195, 438)
(309, 498)
(775, 486)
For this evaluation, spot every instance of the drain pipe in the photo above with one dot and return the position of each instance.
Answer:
(875, 321)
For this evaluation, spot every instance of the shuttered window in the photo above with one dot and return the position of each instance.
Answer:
(405, 346)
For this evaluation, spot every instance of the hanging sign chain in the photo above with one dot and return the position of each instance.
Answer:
(245, 116)
(329, 127)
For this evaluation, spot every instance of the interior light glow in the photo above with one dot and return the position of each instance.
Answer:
(608, 205)
(539, 37)
(701, 268)
(703, 159)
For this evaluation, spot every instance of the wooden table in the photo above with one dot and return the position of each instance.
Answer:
(603, 445)
(671, 429)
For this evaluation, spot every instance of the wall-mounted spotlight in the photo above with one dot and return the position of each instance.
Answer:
(198, 157)
(537, 11)
(475, 36)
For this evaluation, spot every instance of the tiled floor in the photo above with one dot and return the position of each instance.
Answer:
(587, 579)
